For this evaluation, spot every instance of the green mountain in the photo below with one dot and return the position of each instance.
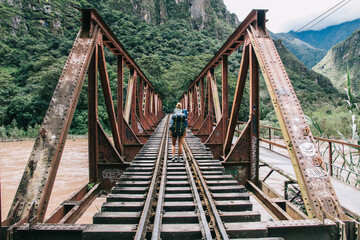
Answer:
(306, 53)
(171, 40)
(328, 37)
(342, 55)
(311, 46)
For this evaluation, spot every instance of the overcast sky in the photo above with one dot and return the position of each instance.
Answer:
(286, 15)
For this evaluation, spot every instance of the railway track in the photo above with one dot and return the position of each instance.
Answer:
(160, 199)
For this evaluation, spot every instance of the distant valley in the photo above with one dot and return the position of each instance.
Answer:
(311, 46)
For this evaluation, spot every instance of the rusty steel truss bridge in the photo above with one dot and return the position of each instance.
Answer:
(206, 196)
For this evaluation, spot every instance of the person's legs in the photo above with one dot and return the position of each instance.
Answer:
(173, 139)
(181, 138)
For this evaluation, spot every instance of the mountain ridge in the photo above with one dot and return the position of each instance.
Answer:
(312, 45)
(327, 37)
(170, 41)
(343, 55)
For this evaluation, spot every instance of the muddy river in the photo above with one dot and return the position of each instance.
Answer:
(72, 174)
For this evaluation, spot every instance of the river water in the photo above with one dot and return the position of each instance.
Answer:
(72, 174)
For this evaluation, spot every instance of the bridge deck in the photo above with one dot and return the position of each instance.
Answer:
(349, 196)
(181, 201)
(191, 199)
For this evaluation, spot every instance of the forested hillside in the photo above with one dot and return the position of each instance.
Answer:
(171, 40)
(340, 57)
(306, 53)
(312, 45)
(329, 36)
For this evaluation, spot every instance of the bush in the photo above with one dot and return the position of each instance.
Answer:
(3, 133)
(32, 132)
(17, 133)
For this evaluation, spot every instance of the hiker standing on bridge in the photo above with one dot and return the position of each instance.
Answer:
(178, 126)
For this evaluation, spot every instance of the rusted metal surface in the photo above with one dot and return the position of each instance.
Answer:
(86, 56)
(254, 117)
(130, 92)
(215, 95)
(224, 95)
(303, 229)
(74, 207)
(39, 175)
(318, 194)
(105, 85)
(237, 99)
(233, 42)
(92, 116)
(215, 216)
(242, 159)
(277, 212)
(156, 233)
(190, 190)
(145, 216)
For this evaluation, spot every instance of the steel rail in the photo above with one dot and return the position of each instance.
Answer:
(218, 222)
(142, 226)
(160, 203)
(204, 226)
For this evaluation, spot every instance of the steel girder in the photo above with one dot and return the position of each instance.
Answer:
(242, 157)
(106, 159)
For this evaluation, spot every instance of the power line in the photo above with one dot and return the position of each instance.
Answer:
(320, 16)
(328, 15)
(342, 4)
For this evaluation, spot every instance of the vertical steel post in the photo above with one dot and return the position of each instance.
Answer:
(133, 120)
(237, 99)
(120, 77)
(92, 117)
(254, 116)
(156, 106)
(225, 104)
(129, 93)
(215, 95)
(105, 84)
(193, 100)
(202, 98)
(330, 159)
(210, 101)
(189, 100)
(140, 97)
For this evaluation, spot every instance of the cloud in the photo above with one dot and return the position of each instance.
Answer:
(287, 15)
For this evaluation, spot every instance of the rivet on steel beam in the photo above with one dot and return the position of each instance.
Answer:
(306, 131)
(43, 133)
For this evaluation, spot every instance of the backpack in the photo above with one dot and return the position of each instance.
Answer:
(178, 122)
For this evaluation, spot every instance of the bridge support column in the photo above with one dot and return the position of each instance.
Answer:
(92, 117)
(254, 117)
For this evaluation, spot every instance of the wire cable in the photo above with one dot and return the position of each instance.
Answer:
(328, 15)
(341, 3)
(320, 16)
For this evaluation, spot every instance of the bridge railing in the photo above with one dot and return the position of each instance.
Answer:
(241, 158)
(341, 158)
(131, 124)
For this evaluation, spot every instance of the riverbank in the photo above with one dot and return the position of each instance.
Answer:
(32, 139)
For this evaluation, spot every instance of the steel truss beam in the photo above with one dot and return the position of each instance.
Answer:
(106, 159)
(242, 158)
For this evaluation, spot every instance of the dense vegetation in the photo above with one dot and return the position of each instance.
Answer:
(167, 42)
(306, 53)
(312, 45)
(340, 57)
(328, 37)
